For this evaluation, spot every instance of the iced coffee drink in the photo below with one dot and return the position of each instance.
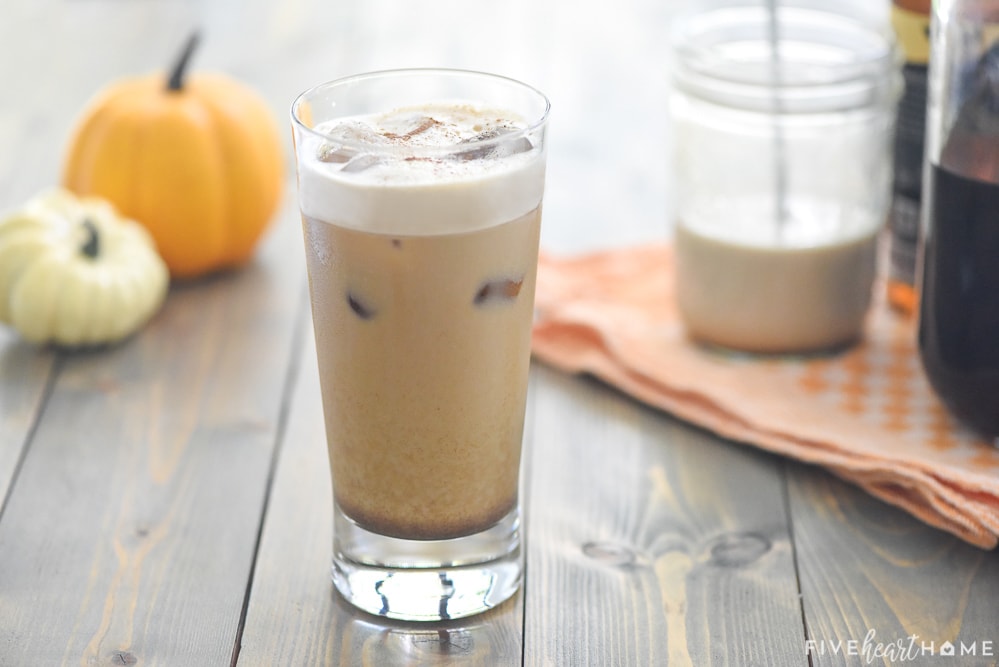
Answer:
(421, 223)
(422, 302)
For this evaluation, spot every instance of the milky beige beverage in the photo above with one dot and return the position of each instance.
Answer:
(422, 274)
(744, 283)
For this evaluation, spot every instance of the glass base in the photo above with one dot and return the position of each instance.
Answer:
(426, 580)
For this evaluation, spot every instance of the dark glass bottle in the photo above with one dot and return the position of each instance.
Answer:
(959, 307)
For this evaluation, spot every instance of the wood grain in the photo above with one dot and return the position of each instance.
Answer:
(651, 542)
(866, 566)
(27, 372)
(136, 512)
(294, 615)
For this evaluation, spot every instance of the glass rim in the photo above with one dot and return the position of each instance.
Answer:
(880, 57)
(456, 73)
(855, 66)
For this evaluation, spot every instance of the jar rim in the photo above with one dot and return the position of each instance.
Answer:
(823, 60)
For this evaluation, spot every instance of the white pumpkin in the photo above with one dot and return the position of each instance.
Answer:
(74, 273)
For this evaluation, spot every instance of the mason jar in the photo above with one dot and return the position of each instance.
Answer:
(782, 121)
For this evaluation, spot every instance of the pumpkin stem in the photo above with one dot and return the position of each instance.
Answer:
(176, 81)
(93, 245)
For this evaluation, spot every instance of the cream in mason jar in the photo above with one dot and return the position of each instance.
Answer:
(745, 283)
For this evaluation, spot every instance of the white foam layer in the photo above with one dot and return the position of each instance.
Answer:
(421, 196)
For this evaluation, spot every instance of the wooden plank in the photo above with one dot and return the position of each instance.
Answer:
(25, 373)
(130, 533)
(866, 566)
(295, 617)
(650, 541)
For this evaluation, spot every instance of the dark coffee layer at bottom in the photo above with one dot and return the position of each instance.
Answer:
(448, 524)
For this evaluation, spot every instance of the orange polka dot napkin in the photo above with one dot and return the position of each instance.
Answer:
(866, 413)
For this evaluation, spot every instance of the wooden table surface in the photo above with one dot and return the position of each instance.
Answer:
(166, 501)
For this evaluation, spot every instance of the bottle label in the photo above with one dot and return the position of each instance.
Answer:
(913, 32)
(910, 132)
(904, 223)
(912, 29)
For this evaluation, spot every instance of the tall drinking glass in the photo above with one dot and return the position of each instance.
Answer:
(420, 193)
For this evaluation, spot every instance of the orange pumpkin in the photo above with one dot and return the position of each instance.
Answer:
(197, 160)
